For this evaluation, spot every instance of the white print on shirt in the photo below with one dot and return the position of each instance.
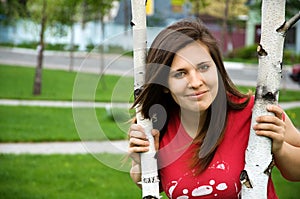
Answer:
(208, 189)
(203, 189)
(175, 183)
(220, 165)
(200, 191)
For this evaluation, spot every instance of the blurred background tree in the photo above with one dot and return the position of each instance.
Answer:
(10, 10)
(57, 16)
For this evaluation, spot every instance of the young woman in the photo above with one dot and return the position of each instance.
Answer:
(201, 121)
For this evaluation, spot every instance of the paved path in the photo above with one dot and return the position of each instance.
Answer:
(84, 147)
(45, 103)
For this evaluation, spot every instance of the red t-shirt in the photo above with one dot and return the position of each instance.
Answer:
(221, 178)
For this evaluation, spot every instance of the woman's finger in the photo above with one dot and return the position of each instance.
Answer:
(268, 127)
(137, 134)
(133, 142)
(136, 127)
(277, 139)
(278, 111)
(270, 119)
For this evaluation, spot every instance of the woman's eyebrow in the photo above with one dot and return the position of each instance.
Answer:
(205, 62)
(177, 70)
(182, 68)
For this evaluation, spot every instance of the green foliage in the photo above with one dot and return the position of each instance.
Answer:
(248, 53)
(90, 47)
(10, 10)
(110, 49)
(290, 57)
(292, 7)
(66, 11)
(95, 9)
(33, 45)
(58, 11)
(59, 47)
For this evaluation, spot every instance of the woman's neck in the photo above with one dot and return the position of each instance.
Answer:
(192, 121)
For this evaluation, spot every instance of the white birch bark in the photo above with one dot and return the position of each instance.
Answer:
(259, 160)
(149, 179)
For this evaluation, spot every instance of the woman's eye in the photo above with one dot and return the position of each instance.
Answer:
(179, 74)
(203, 68)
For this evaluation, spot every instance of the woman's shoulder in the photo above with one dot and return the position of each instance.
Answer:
(239, 99)
(249, 101)
(241, 116)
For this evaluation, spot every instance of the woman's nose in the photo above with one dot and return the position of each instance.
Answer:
(195, 79)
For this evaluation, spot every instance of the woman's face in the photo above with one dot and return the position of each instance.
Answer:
(193, 78)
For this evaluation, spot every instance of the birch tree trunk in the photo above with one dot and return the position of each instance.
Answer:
(149, 179)
(259, 160)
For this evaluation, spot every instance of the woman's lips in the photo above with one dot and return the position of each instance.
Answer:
(196, 95)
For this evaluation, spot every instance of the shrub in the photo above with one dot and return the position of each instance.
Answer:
(290, 57)
(248, 52)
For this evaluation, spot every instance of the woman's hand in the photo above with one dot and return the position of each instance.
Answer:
(138, 141)
(272, 126)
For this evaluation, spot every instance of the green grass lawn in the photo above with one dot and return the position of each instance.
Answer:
(294, 114)
(17, 83)
(83, 177)
(40, 124)
(285, 189)
(33, 124)
(66, 177)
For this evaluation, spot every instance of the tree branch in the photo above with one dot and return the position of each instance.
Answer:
(288, 24)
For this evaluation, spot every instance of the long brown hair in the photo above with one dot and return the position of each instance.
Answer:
(159, 59)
